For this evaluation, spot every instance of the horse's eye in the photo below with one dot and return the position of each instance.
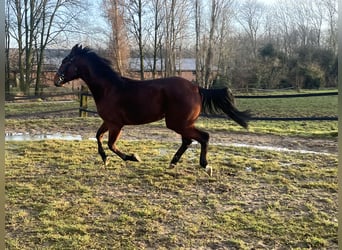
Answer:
(68, 59)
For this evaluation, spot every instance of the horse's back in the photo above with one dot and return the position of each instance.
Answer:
(175, 98)
(168, 82)
(173, 88)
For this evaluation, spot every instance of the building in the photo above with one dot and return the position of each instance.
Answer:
(185, 67)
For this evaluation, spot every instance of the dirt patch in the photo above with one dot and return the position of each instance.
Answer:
(293, 143)
(161, 133)
(226, 138)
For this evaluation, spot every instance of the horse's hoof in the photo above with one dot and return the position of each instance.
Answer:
(172, 166)
(135, 157)
(105, 162)
(209, 170)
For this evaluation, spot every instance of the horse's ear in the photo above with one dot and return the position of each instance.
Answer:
(76, 50)
(76, 46)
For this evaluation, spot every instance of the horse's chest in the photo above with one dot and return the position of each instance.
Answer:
(106, 109)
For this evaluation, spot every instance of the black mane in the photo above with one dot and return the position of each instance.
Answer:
(100, 65)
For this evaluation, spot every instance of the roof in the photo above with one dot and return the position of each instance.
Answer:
(184, 64)
(54, 57)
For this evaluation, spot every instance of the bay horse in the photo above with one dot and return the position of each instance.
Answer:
(122, 101)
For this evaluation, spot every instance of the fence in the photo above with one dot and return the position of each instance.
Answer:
(44, 96)
(84, 106)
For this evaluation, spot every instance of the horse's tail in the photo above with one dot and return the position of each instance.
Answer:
(215, 100)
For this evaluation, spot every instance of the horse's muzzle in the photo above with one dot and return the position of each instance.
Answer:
(59, 80)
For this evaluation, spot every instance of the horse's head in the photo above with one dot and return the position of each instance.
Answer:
(68, 70)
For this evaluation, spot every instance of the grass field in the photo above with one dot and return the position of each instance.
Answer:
(291, 107)
(59, 196)
(283, 107)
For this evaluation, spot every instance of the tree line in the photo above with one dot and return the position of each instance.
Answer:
(242, 44)
(33, 26)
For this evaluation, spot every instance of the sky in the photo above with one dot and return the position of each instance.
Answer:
(98, 26)
(98, 23)
(268, 1)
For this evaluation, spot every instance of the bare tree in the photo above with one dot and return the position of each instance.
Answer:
(15, 28)
(33, 26)
(170, 35)
(283, 26)
(215, 12)
(158, 18)
(250, 17)
(220, 17)
(224, 33)
(7, 50)
(47, 31)
(135, 9)
(301, 15)
(303, 23)
(198, 8)
(160, 28)
(331, 17)
(211, 34)
(177, 18)
(114, 12)
(316, 21)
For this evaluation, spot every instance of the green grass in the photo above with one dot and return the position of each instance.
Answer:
(59, 196)
(290, 107)
(321, 129)
(29, 108)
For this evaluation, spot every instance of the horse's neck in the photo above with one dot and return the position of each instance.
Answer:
(99, 86)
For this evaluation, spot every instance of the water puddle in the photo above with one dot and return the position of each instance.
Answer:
(40, 137)
(71, 137)
(279, 149)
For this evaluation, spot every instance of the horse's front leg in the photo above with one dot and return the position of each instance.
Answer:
(99, 137)
(114, 134)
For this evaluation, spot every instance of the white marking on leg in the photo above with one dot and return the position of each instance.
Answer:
(209, 170)
(172, 165)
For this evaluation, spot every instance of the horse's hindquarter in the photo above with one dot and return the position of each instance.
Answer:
(181, 93)
(183, 103)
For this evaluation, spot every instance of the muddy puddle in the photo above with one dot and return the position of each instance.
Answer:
(73, 137)
(279, 149)
(40, 137)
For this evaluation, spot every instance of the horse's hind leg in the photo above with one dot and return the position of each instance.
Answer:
(99, 137)
(185, 144)
(203, 138)
(198, 135)
(114, 134)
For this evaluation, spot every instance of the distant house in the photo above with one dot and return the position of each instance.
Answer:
(185, 67)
